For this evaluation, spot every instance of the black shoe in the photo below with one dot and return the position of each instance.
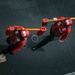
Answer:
(34, 48)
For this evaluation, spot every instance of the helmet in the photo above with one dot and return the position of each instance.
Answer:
(68, 22)
(25, 33)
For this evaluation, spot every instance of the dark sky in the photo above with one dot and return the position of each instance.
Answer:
(55, 58)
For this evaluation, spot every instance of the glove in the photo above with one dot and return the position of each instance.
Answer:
(23, 28)
(55, 19)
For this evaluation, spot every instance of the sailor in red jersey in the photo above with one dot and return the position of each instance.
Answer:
(16, 39)
(60, 29)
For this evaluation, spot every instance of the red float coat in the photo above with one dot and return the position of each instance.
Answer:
(13, 39)
(60, 30)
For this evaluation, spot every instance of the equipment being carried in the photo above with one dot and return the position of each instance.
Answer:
(40, 31)
(45, 21)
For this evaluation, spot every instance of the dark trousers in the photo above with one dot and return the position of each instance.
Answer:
(46, 40)
(9, 49)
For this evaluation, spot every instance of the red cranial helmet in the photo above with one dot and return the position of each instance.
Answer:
(68, 21)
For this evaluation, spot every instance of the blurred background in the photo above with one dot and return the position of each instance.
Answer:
(55, 58)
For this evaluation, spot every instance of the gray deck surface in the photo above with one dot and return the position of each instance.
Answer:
(55, 58)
